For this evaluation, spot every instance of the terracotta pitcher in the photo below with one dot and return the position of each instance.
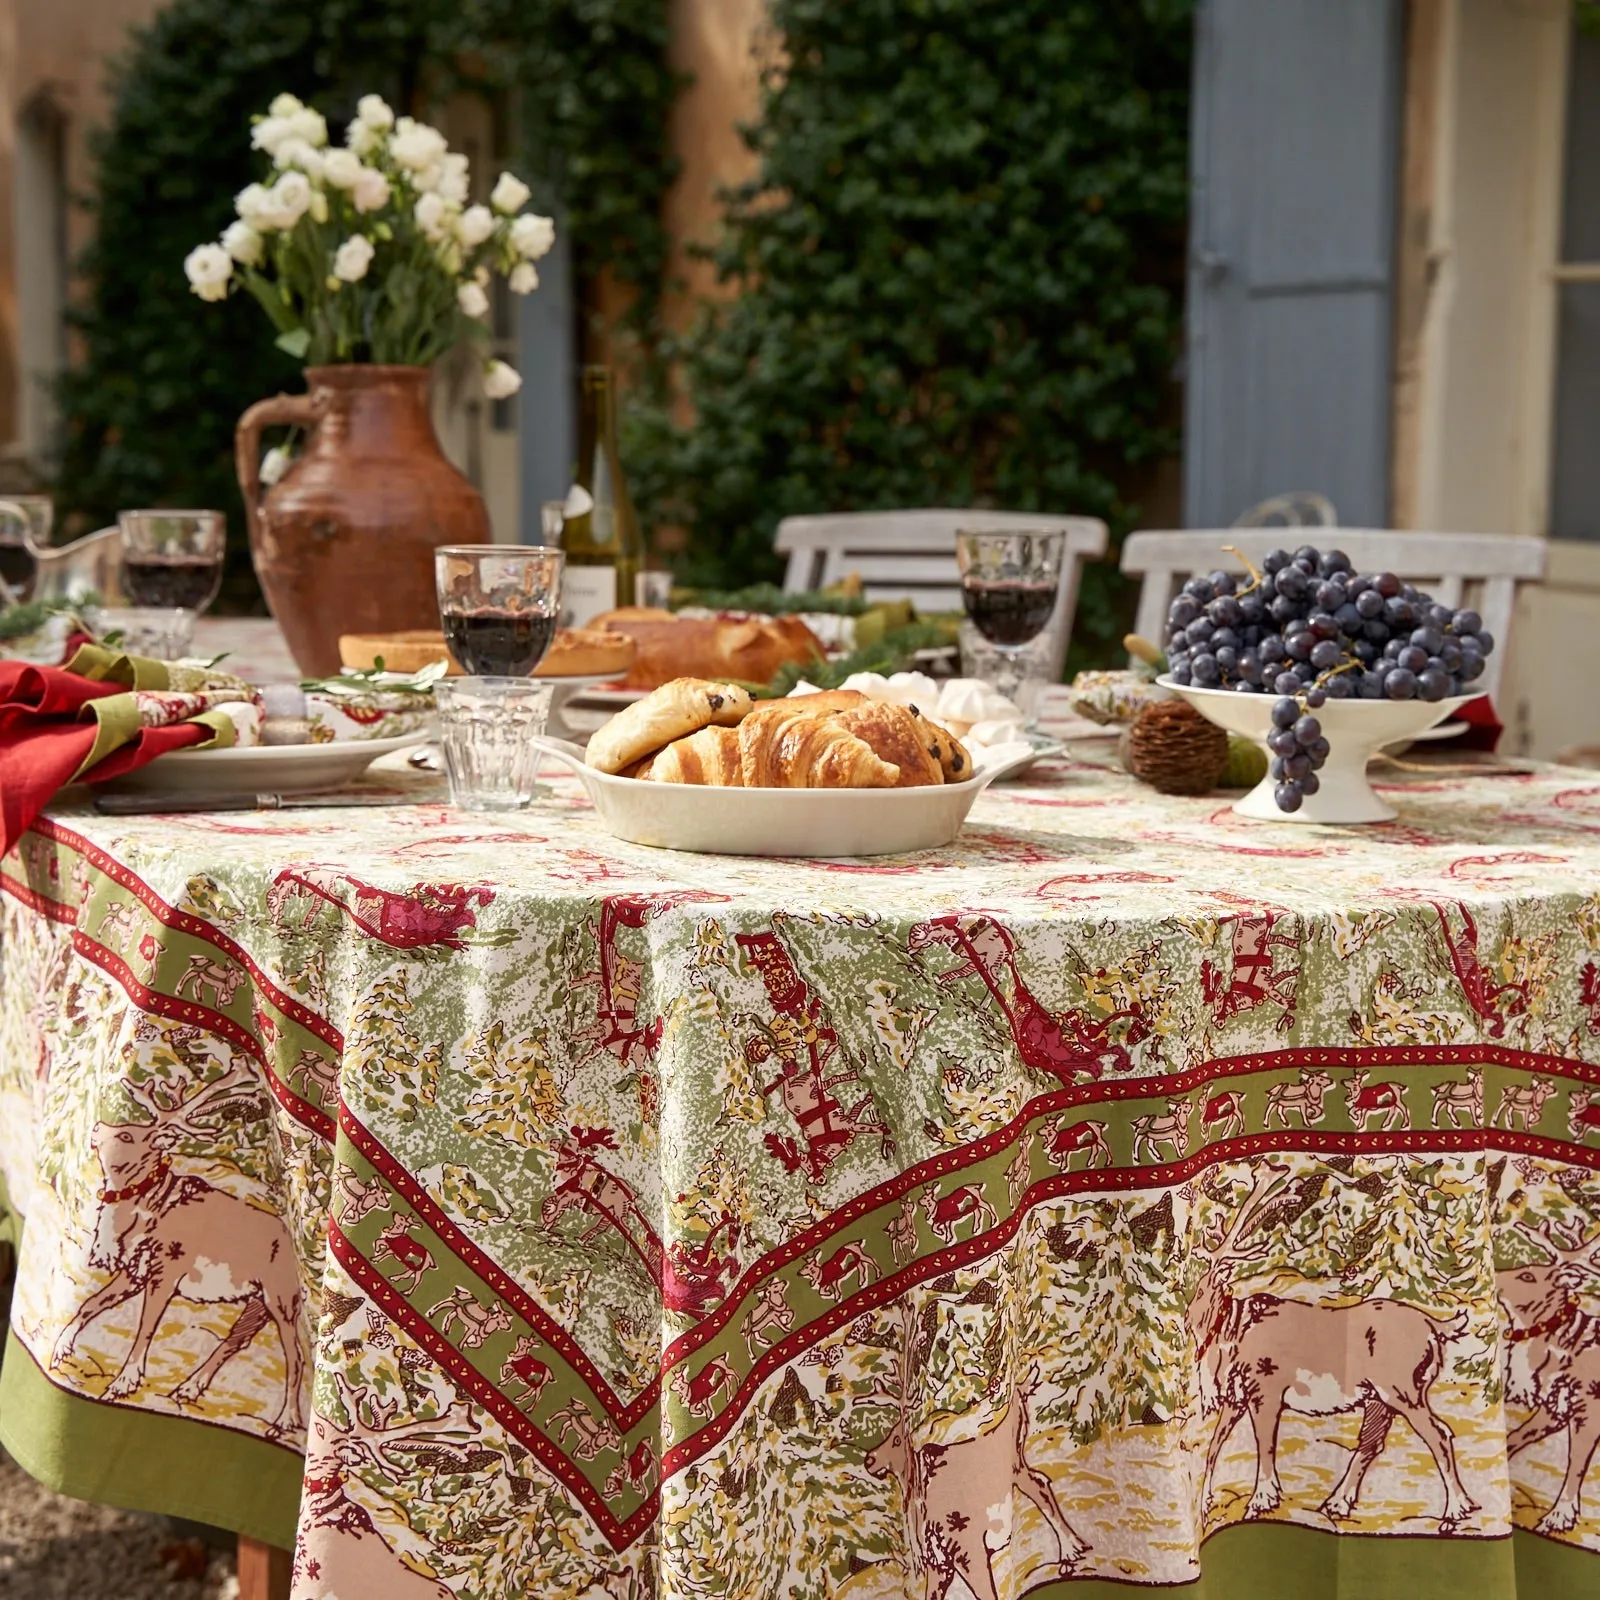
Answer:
(344, 541)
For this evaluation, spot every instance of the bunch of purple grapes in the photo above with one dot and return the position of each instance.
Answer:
(1308, 628)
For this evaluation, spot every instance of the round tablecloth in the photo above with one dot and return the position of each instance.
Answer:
(1125, 1193)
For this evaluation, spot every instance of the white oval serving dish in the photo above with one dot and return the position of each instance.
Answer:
(817, 823)
(264, 769)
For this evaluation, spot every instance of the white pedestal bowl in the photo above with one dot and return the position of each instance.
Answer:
(1355, 730)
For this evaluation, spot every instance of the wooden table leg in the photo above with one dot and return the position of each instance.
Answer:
(263, 1571)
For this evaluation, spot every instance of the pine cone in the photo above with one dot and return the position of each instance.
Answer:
(1174, 749)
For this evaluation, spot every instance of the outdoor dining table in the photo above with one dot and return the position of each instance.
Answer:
(1124, 1194)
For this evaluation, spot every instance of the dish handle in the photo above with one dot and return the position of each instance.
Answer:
(566, 752)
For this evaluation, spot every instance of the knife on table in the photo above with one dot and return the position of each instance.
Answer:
(139, 805)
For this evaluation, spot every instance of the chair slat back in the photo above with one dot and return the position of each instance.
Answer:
(911, 555)
(1445, 564)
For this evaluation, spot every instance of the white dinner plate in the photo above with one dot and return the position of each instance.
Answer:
(614, 699)
(264, 769)
(820, 824)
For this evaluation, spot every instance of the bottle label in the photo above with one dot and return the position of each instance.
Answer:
(586, 592)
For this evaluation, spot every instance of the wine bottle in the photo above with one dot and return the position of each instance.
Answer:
(601, 538)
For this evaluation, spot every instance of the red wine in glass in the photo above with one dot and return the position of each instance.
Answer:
(19, 569)
(164, 581)
(1008, 615)
(494, 643)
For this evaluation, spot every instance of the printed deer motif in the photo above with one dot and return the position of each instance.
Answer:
(1364, 1101)
(590, 1434)
(398, 1244)
(159, 1233)
(902, 1230)
(1525, 1100)
(1583, 1113)
(1304, 1097)
(1456, 1099)
(635, 1471)
(945, 1212)
(1553, 1359)
(1256, 978)
(1071, 1046)
(803, 1044)
(357, 1200)
(697, 1277)
(585, 1185)
(617, 1029)
(477, 1321)
(525, 1369)
(1087, 1139)
(769, 1318)
(1223, 1114)
(1260, 1354)
(204, 973)
(956, 1495)
(340, 1549)
(430, 914)
(1151, 1131)
(1494, 1002)
(848, 1261)
(698, 1395)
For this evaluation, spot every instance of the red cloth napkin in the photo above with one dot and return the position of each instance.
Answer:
(47, 731)
(1483, 727)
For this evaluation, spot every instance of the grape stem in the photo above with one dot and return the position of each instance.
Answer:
(1249, 566)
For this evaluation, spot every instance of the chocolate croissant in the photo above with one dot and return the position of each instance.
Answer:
(709, 757)
(782, 746)
(893, 735)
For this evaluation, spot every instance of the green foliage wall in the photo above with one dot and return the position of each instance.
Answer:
(151, 408)
(960, 270)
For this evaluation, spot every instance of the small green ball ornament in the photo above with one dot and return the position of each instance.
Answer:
(1246, 765)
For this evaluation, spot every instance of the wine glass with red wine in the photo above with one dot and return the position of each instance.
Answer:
(24, 531)
(499, 605)
(1009, 585)
(172, 560)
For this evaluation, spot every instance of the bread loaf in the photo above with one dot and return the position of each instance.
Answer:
(670, 647)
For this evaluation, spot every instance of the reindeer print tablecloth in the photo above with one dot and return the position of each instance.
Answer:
(1126, 1194)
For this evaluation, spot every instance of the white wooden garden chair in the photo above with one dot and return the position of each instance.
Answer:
(1482, 569)
(911, 555)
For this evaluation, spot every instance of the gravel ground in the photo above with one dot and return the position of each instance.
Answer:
(52, 1548)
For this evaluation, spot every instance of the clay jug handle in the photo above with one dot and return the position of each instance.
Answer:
(292, 410)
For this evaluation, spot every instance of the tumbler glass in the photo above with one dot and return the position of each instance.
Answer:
(486, 731)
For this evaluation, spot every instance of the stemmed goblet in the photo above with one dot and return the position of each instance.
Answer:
(1009, 586)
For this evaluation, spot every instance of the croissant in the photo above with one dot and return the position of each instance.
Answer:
(709, 757)
(892, 733)
(784, 747)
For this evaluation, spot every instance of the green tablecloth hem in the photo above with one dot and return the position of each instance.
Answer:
(145, 1462)
(1277, 1561)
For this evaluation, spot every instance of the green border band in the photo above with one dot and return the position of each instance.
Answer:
(142, 1461)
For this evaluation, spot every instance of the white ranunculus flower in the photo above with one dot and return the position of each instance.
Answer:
(362, 140)
(472, 300)
(430, 213)
(524, 278)
(341, 168)
(372, 110)
(509, 194)
(290, 199)
(475, 225)
(371, 190)
(311, 126)
(427, 180)
(415, 146)
(500, 382)
(532, 236)
(269, 133)
(297, 153)
(285, 105)
(455, 184)
(274, 464)
(243, 243)
(252, 203)
(352, 258)
(208, 268)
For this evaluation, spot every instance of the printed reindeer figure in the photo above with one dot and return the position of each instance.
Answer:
(1455, 1099)
(1525, 1100)
(1256, 978)
(160, 1233)
(1553, 1358)
(1364, 1101)
(1486, 997)
(1151, 1131)
(1222, 1115)
(1087, 1139)
(584, 1185)
(951, 1492)
(1259, 1354)
(428, 915)
(698, 1395)
(1071, 1046)
(1304, 1097)
(803, 1044)
(769, 1318)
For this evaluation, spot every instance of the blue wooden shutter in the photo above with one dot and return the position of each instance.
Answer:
(1294, 162)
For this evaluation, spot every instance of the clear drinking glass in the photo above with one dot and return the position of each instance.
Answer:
(164, 633)
(25, 521)
(500, 605)
(486, 730)
(1009, 585)
(172, 558)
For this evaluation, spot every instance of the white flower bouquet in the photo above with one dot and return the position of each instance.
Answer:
(371, 252)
